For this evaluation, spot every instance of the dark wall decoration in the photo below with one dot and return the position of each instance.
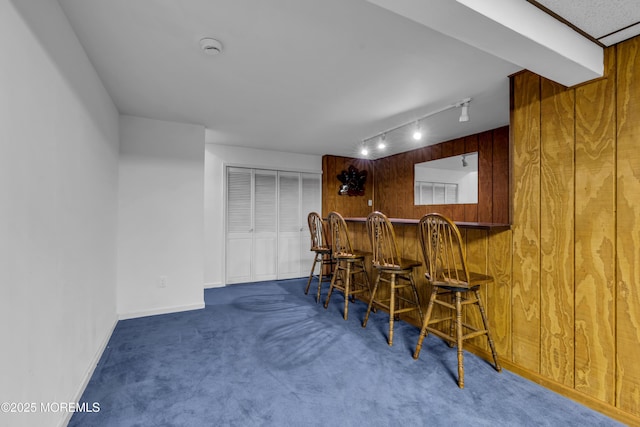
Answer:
(352, 182)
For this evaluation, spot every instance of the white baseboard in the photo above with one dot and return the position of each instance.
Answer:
(163, 310)
(214, 285)
(90, 370)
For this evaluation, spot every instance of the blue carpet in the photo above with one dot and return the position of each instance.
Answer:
(265, 354)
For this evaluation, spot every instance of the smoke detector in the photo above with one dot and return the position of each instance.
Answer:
(210, 46)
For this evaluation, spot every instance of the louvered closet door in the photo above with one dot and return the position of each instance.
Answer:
(288, 225)
(451, 193)
(265, 234)
(239, 245)
(311, 201)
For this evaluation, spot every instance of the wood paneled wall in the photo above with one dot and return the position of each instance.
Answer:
(565, 307)
(395, 176)
(390, 181)
(627, 303)
(348, 206)
(576, 233)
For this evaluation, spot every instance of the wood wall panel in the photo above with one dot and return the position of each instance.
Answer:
(595, 236)
(409, 246)
(556, 233)
(575, 194)
(525, 317)
(485, 177)
(383, 198)
(329, 195)
(459, 145)
(477, 249)
(348, 206)
(471, 143)
(403, 185)
(628, 227)
(499, 292)
(447, 149)
(471, 212)
(590, 186)
(501, 166)
(394, 176)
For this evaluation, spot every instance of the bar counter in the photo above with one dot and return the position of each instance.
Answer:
(487, 248)
(460, 224)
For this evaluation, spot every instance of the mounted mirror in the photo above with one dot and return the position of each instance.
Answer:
(447, 181)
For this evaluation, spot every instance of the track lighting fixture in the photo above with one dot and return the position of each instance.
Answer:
(382, 144)
(464, 161)
(464, 112)
(417, 134)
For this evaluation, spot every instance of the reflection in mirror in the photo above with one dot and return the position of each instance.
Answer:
(452, 180)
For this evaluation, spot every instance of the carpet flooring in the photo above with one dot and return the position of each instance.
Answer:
(265, 354)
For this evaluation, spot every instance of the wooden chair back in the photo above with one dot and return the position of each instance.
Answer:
(383, 241)
(441, 245)
(339, 235)
(318, 232)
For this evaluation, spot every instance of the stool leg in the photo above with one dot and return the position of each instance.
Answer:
(333, 281)
(313, 267)
(366, 278)
(452, 324)
(486, 328)
(392, 307)
(322, 264)
(415, 294)
(347, 290)
(425, 322)
(373, 295)
(459, 333)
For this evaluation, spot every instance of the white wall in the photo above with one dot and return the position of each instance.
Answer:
(216, 158)
(160, 217)
(468, 188)
(58, 186)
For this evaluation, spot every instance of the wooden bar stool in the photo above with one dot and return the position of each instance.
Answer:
(392, 269)
(349, 263)
(454, 287)
(319, 245)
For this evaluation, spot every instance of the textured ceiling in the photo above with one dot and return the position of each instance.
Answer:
(608, 21)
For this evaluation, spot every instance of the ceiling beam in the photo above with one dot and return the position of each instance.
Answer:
(515, 31)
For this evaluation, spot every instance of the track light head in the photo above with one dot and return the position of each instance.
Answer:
(382, 144)
(417, 133)
(464, 113)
